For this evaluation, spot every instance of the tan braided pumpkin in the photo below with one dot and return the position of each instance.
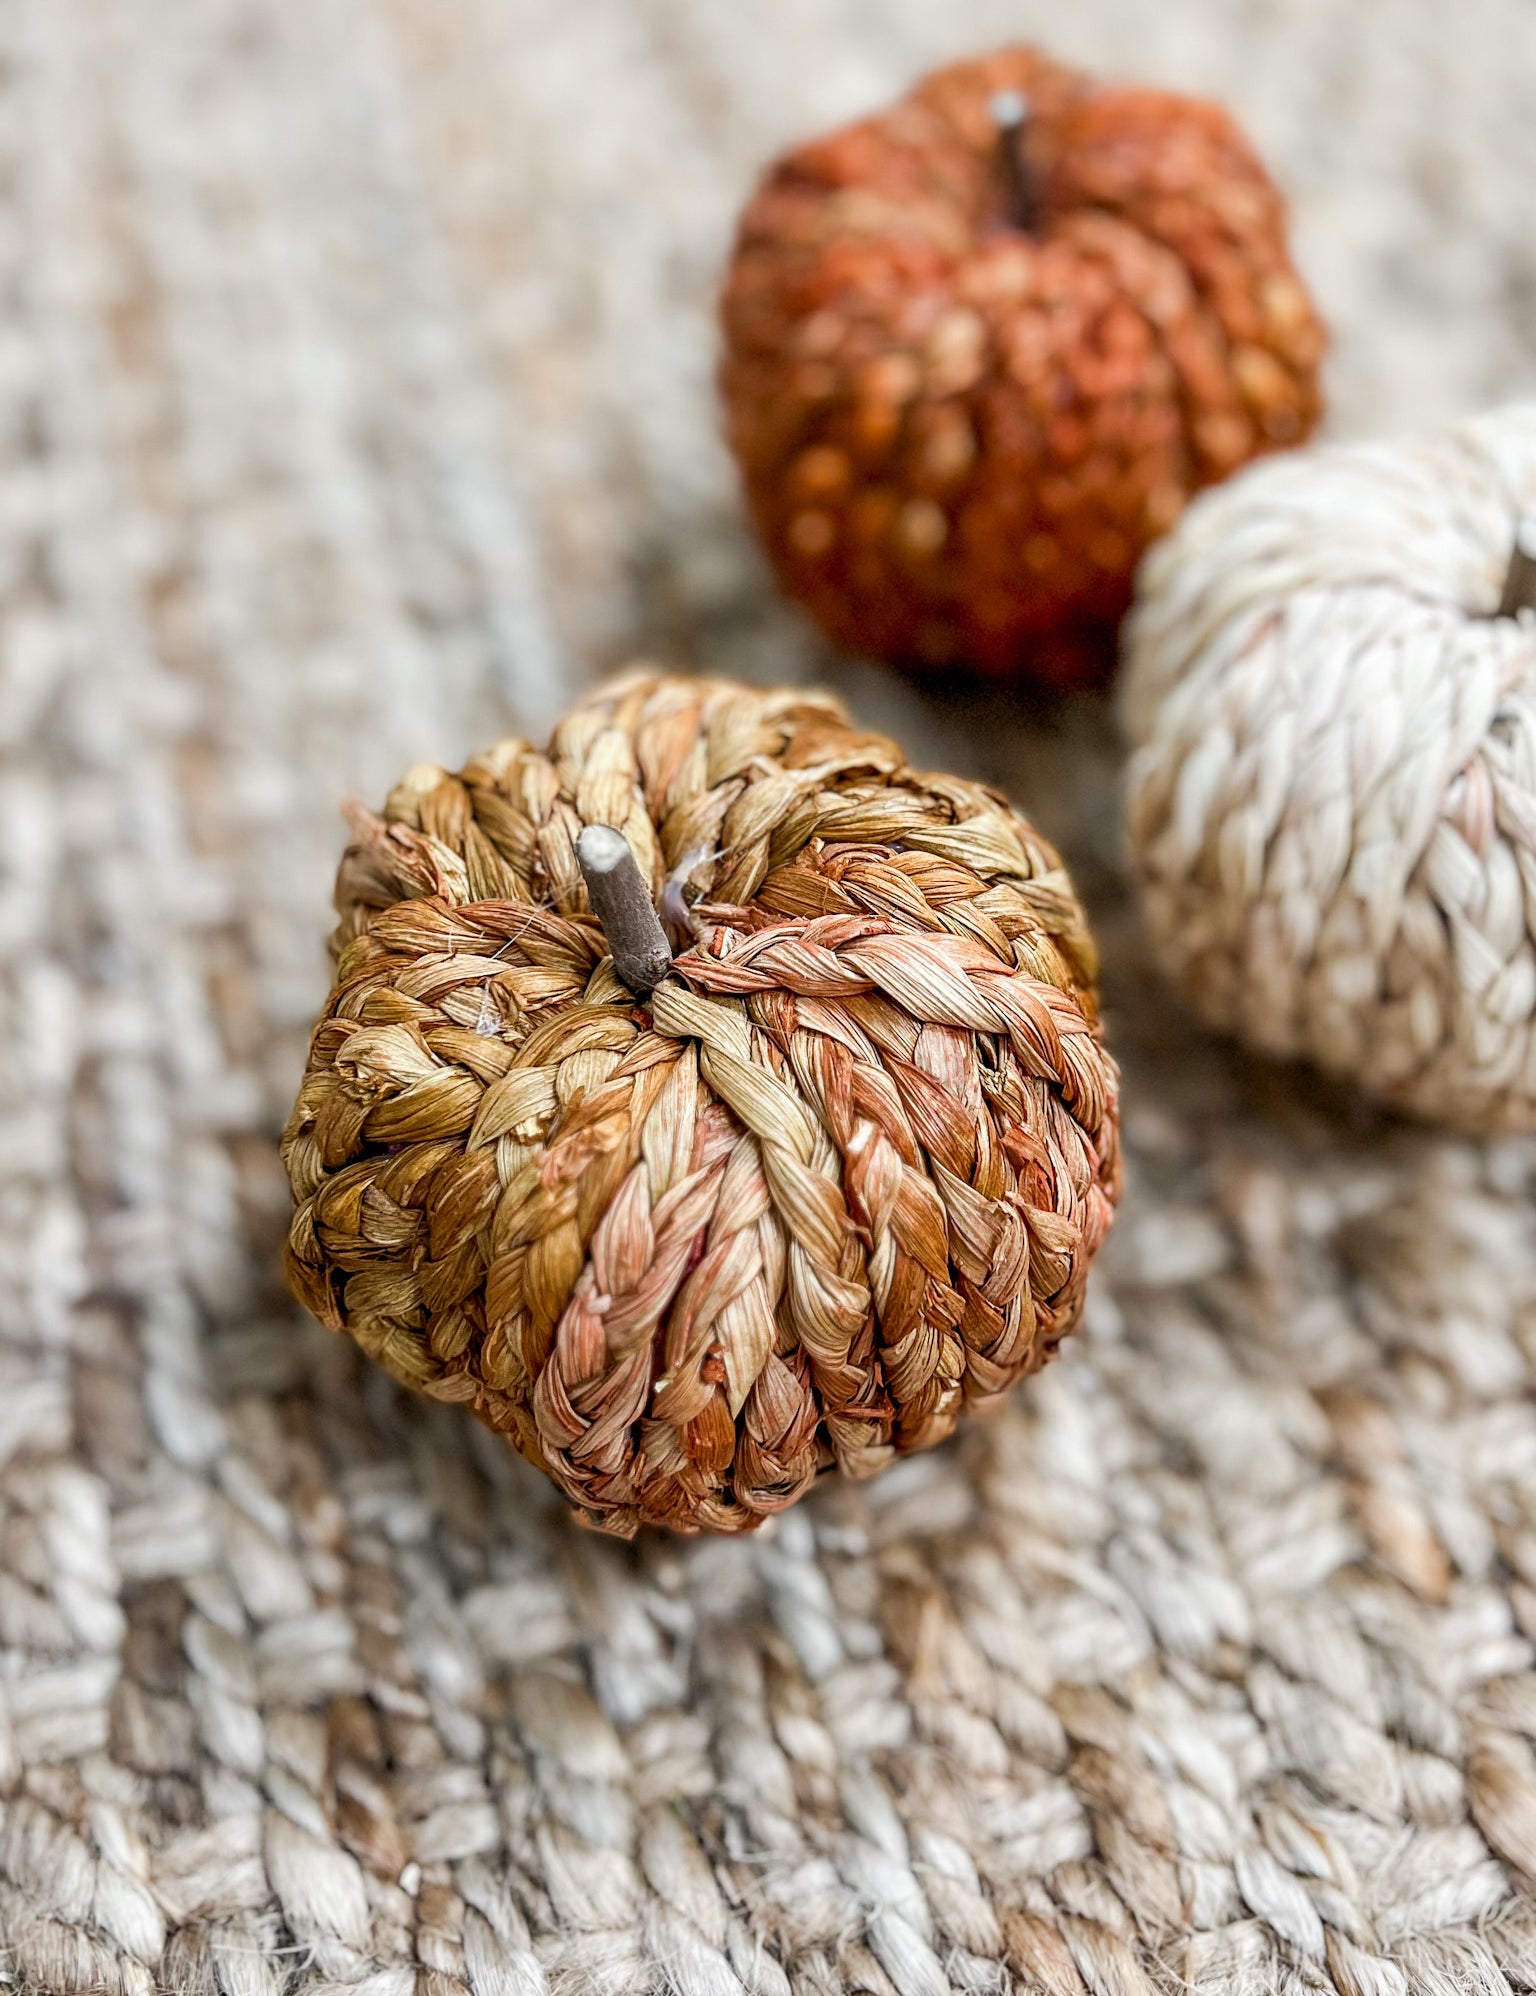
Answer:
(968, 384)
(841, 1176)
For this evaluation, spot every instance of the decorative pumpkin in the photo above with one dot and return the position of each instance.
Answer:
(1331, 693)
(980, 349)
(837, 1177)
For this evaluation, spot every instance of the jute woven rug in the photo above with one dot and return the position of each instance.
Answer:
(354, 407)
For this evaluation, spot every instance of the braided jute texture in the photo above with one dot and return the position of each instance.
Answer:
(356, 399)
(1332, 799)
(839, 1178)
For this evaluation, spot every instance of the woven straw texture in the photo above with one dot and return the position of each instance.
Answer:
(355, 397)
(1329, 803)
(839, 1182)
(956, 442)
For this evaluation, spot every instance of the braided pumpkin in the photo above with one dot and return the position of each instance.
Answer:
(980, 349)
(840, 1176)
(1331, 697)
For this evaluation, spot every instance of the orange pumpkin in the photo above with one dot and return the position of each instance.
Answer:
(981, 348)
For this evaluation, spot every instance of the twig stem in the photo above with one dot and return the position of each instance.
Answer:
(1520, 576)
(621, 901)
(1010, 114)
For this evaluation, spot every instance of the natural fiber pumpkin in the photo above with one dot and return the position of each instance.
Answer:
(981, 348)
(836, 1178)
(1331, 693)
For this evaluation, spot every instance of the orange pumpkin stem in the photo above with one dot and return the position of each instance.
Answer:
(1010, 114)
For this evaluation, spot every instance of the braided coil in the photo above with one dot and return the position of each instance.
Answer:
(1332, 796)
(839, 1177)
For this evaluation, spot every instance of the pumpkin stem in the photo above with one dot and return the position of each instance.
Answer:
(1520, 577)
(622, 903)
(1010, 114)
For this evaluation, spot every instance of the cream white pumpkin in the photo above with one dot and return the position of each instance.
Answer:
(1331, 798)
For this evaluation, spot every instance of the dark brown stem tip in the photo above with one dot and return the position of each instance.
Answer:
(1520, 576)
(622, 903)
(1010, 114)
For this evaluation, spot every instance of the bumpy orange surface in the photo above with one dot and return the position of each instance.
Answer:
(960, 424)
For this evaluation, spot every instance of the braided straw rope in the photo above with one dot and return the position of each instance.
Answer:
(842, 1176)
(1332, 804)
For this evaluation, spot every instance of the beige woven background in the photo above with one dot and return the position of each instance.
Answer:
(354, 404)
